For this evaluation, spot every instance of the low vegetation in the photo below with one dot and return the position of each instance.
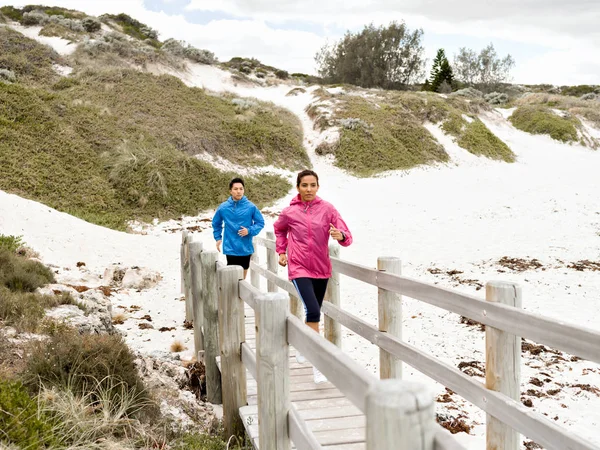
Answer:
(61, 389)
(92, 144)
(537, 119)
(30, 62)
(476, 138)
(385, 131)
(384, 138)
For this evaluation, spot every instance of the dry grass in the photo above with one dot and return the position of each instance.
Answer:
(177, 347)
(119, 318)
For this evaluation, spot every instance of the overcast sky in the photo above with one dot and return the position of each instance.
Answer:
(552, 41)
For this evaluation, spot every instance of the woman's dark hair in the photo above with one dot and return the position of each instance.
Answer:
(305, 173)
(236, 180)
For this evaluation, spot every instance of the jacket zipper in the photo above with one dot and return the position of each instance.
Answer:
(310, 260)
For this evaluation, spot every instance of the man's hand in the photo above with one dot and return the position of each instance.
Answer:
(242, 232)
(335, 233)
(219, 246)
(283, 260)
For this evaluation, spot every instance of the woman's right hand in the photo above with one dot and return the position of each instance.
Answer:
(283, 260)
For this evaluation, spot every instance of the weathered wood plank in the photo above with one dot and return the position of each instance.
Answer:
(211, 325)
(231, 337)
(390, 318)
(574, 339)
(272, 263)
(300, 433)
(512, 413)
(400, 416)
(249, 360)
(333, 330)
(272, 359)
(338, 367)
(502, 365)
(248, 294)
(197, 300)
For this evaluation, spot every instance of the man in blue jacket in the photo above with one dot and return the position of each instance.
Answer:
(242, 220)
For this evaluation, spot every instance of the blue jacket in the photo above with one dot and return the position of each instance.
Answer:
(236, 214)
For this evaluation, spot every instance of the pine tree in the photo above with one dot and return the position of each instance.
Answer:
(441, 71)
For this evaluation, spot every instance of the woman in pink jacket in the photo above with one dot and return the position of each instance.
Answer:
(302, 235)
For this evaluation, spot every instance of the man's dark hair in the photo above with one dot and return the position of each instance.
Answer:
(305, 173)
(236, 180)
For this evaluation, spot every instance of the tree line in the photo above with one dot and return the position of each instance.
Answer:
(392, 57)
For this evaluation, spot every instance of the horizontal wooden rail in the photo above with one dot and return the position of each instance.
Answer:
(576, 340)
(284, 284)
(513, 413)
(249, 359)
(345, 373)
(445, 441)
(267, 243)
(248, 293)
(302, 437)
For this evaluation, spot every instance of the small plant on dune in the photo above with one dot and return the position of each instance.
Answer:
(10, 243)
(25, 311)
(119, 319)
(21, 274)
(94, 365)
(106, 411)
(177, 347)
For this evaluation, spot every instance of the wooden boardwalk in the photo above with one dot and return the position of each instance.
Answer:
(336, 423)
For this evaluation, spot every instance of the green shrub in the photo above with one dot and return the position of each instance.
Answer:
(394, 139)
(25, 311)
(133, 28)
(541, 120)
(10, 243)
(282, 74)
(22, 275)
(21, 424)
(12, 13)
(197, 441)
(479, 140)
(91, 24)
(579, 90)
(96, 365)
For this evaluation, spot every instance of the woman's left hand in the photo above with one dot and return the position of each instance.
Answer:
(242, 232)
(335, 233)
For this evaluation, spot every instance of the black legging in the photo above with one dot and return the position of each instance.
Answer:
(312, 292)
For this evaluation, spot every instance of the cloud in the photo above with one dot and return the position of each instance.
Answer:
(561, 37)
(578, 18)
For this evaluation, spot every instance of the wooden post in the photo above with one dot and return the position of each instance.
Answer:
(255, 276)
(502, 365)
(231, 337)
(272, 360)
(211, 326)
(184, 235)
(400, 416)
(187, 283)
(195, 250)
(390, 318)
(333, 330)
(272, 263)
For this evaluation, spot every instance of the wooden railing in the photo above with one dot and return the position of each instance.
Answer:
(278, 326)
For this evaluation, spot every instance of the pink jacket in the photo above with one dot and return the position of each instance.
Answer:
(302, 230)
